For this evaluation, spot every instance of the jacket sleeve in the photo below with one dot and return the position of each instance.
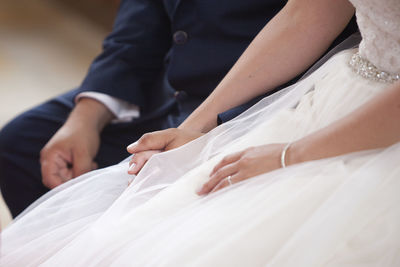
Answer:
(133, 54)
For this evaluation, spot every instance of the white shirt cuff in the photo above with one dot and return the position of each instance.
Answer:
(122, 110)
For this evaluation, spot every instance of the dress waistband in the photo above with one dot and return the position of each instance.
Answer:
(366, 69)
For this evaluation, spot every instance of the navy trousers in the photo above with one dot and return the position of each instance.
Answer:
(22, 139)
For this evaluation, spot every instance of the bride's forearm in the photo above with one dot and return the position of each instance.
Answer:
(287, 45)
(376, 124)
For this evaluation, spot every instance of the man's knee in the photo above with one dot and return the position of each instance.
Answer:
(23, 137)
(20, 180)
(20, 143)
(9, 138)
(19, 148)
(29, 132)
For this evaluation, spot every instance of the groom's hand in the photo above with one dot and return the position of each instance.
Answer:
(70, 152)
(156, 142)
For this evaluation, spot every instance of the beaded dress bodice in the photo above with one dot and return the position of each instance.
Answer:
(379, 23)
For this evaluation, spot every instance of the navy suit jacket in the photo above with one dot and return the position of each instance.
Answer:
(158, 47)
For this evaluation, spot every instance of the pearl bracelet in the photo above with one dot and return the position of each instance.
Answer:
(283, 155)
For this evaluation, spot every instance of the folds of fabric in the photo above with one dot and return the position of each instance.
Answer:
(338, 211)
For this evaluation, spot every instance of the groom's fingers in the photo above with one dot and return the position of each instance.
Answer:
(81, 163)
(49, 175)
(54, 167)
(153, 141)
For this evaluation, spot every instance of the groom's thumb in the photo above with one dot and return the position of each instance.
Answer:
(81, 163)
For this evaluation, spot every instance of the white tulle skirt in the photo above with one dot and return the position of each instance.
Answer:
(339, 211)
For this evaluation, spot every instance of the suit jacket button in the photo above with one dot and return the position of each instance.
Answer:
(180, 95)
(180, 37)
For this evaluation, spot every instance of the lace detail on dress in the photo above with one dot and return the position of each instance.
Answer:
(379, 23)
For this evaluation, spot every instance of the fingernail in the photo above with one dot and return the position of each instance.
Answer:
(132, 167)
(199, 192)
(131, 146)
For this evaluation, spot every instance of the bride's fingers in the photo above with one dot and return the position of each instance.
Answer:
(224, 183)
(152, 141)
(137, 162)
(132, 161)
(139, 159)
(217, 177)
(130, 147)
(227, 160)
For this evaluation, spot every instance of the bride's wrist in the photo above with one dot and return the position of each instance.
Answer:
(196, 127)
(292, 153)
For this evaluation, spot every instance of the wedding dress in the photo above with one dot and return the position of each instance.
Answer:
(340, 211)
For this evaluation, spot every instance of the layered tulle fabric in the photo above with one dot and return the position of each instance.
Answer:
(334, 212)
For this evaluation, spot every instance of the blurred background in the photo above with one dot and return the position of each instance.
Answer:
(46, 47)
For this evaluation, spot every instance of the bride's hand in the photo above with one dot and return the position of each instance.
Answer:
(243, 165)
(156, 142)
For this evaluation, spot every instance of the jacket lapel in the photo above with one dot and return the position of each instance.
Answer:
(171, 7)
